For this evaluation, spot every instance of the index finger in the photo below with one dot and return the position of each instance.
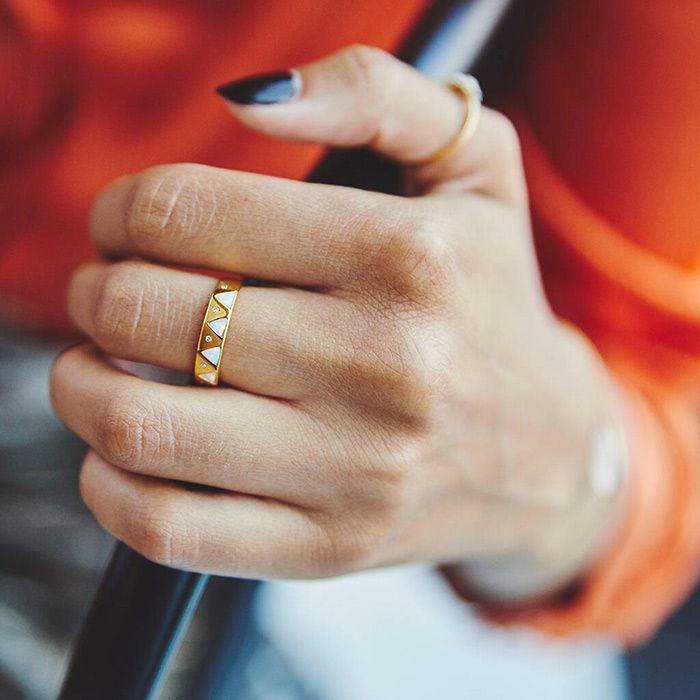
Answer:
(361, 96)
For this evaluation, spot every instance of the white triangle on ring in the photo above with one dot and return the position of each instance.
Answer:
(212, 354)
(218, 326)
(226, 298)
(208, 377)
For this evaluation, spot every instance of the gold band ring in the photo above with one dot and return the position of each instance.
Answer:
(468, 88)
(214, 330)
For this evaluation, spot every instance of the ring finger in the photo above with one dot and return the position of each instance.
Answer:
(147, 313)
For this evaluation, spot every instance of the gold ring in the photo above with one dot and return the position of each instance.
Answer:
(468, 88)
(214, 330)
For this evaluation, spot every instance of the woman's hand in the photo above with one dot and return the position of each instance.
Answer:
(402, 391)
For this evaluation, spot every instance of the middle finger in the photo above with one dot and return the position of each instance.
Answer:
(249, 224)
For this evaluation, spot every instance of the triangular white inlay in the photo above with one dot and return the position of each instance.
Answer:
(226, 298)
(218, 326)
(208, 377)
(212, 354)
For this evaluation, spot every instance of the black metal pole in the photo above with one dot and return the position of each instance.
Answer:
(132, 629)
(141, 608)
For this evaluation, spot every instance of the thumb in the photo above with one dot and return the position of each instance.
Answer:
(362, 96)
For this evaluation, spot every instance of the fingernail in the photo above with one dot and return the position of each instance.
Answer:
(263, 89)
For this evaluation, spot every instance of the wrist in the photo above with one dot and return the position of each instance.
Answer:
(565, 538)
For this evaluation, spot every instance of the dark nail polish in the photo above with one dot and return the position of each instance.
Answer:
(263, 89)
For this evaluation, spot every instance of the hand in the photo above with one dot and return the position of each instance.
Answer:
(401, 392)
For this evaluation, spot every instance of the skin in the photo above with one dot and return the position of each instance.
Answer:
(401, 392)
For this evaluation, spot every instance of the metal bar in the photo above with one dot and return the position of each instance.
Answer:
(133, 626)
(141, 608)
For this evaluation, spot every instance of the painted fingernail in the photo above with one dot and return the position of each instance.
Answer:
(263, 89)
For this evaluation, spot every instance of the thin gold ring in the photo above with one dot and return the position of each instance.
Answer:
(468, 88)
(215, 327)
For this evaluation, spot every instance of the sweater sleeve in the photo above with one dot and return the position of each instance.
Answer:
(651, 562)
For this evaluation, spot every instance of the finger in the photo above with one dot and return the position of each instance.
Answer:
(258, 226)
(210, 532)
(220, 438)
(277, 339)
(363, 96)
(283, 342)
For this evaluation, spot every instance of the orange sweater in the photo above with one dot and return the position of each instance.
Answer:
(92, 90)
(611, 137)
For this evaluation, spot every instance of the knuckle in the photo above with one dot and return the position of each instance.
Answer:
(134, 434)
(119, 306)
(385, 491)
(397, 372)
(382, 495)
(339, 549)
(415, 263)
(393, 469)
(163, 203)
(506, 136)
(369, 68)
(161, 534)
(116, 428)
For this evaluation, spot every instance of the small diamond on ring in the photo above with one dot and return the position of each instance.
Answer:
(202, 365)
(216, 309)
(208, 339)
(224, 286)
